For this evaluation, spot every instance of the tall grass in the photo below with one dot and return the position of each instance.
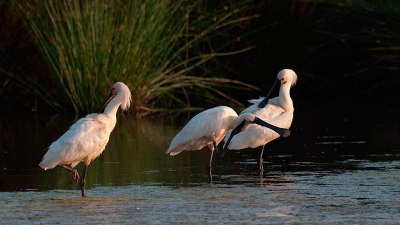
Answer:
(158, 48)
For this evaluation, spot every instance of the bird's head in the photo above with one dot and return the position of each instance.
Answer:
(287, 76)
(284, 77)
(122, 92)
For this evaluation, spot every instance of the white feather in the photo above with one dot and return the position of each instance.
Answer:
(278, 112)
(88, 137)
(204, 128)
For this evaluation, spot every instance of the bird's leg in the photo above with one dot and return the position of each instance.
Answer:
(260, 159)
(75, 175)
(83, 181)
(261, 175)
(209, 165)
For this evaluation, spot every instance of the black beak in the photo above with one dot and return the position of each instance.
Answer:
(235, 131)
(281, 131)
(108, 99)
(264, 102)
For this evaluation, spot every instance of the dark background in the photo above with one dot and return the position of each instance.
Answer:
(343, 53)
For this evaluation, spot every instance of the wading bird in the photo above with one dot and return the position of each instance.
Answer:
(87, 138)
(209, 127)
(278, 112)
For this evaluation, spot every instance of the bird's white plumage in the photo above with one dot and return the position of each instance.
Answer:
(202, 129)
(256, 136)
(278, 112)
(84, 141)
(87, 138)
(206, 127)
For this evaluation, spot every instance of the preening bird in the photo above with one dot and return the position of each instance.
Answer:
(277, 111)
(209, 127)
(88, 137)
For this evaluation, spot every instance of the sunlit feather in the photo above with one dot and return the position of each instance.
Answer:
(88, 137)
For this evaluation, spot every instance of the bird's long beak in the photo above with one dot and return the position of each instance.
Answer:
(235, 131)
(281, 131)
(268, 96)
(108, 99)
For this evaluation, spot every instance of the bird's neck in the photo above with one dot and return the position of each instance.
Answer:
(239, 119)
(284, 98)
(112, 107)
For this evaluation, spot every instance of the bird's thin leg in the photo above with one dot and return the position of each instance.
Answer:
(209, 165)
(83, 181)
(260, 159)
(75, 175)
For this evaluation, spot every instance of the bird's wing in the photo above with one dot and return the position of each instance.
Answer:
(269, 112)
(194, 135)
(257, 135)
(87, 136)
(254, 107)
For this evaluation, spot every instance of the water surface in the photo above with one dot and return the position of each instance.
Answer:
(335, 168)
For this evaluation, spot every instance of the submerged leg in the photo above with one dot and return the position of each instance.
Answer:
(75, 175)
(209, 165)
(261, 178)
(260, 160)
(83, 181)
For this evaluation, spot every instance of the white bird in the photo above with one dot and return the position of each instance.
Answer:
(88, 137)
(209, 127)
(278, 112)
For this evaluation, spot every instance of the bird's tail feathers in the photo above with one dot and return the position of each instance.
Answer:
(43, 166)
(172, 153)
(255, 100)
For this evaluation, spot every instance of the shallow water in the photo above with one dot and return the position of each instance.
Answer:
(335, 168)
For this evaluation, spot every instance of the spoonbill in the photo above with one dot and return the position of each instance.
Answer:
(209, 127)
(278, 112)
(87, 138)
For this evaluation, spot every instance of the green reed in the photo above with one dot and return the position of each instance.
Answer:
(158, 48)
